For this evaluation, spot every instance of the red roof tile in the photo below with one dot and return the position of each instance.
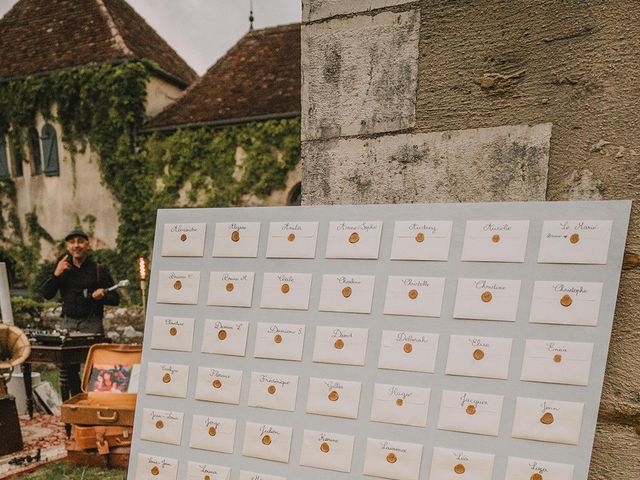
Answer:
(38, 36)
(258, 77)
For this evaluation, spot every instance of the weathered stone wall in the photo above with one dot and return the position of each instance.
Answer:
(486, 70)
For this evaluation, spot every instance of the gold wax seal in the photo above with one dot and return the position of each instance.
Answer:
(354, 237)
(212, 431)
(183, 237)
(173, 331)
(222, 334)
(536, 476)
(285, 288)
(271, 389)
(391, 458)
(277, 338)
(324, 447)
(566, 300)
(408, 348)
(235, 236)
(495, 238)
(547, 418)
(206, 477)
(471, 410)
(266, 440)
(346, 292)
(459, 469)
(155, 471)
(478, 354)
(339, 344)
(413, 294)
(557, 358)
(486, 297)
(159, 424)
(216, 383)
(420, 237)
(291, 237)
(399, 402)
(229, 287)
(575, 238)
(177, 285)
(333, 396)
(166, 378)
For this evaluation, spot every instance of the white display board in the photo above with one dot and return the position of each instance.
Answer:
(444, 341)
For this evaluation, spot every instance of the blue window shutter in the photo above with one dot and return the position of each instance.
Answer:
(34, 149)
(4, 164)
(50, 148)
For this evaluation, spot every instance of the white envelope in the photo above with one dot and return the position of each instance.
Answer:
(547, 420)
(329, 451)
(183, 239)
(230, 289)
(335, 398)
(470, 412)
(225, 337)
(487, 299)
(495, 241)
(418, 296)
(421, 240)
(566, 303)
(342, 345)
(525, 469)
(410, 351)
(575, 241)
(281, 341)
(245, 475)
(474, 356)
(557, 361)
(172, 333)
(213, 433)
(152, 467)
(273, 390)
(236, 239)
(168, 380)
(161, 426)
(394, 460)
(346, 293)
(400, 404)
(218, 385)
(200, 471)
(448, 464)
(292, 239)
(354, 239)
(269, 442)
(286, 290)
(178, 287)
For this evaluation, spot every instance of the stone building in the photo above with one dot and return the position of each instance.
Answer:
(422, 101)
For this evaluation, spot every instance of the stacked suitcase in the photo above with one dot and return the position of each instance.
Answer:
(102, 421)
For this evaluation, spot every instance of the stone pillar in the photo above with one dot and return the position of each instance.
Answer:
(433, 101)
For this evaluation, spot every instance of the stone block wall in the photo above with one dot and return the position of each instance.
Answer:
(493, 100)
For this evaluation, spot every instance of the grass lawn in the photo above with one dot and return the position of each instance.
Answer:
(64, 471)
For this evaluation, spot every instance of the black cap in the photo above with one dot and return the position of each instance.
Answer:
(76, 233)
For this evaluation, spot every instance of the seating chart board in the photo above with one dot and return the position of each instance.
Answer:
(403, 342)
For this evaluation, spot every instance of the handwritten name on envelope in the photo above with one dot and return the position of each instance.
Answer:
(487, 299)
(292, 240)
(153, 467)
(354, 239)
(215, 434)
(225, 337)
(401, 405)
(172, 333)
(336, 398)
(328, 451)
(230, 289)
(236, 239)
(566, 303)
(475, 356)
(200, 471)
(409, 351)
(168, 380)
(346, 293)
(421, 240)
(557, 361)
(451, 464)
(218, 385)
(575, 241)
(286, 291)
(268, 442)
(415, 296)
(178, 287)
(470, 412)
(275, 391)
(161, 426)
(547, 420)
(495, 241)
(183, 239)
(341, 345)
(281, 341)
(393, 460)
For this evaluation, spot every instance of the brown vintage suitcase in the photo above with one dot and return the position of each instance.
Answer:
(9, 426)
(119, 457)
(101, 437)
(85, 458)
(94, 406)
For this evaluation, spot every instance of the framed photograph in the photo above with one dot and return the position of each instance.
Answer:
(109, 378)
(47, 397)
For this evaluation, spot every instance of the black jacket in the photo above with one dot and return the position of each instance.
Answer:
(76, 286)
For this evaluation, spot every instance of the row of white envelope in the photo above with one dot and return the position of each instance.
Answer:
(561, 241)
(324, 450)
(560, 302)
(547, 361)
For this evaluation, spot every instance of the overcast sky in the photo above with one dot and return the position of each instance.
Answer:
(201, 31)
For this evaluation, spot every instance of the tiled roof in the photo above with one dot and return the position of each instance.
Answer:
(258, 78)
(38, 36)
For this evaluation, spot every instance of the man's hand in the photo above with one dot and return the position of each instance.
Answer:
(63, 265)
(98, 294)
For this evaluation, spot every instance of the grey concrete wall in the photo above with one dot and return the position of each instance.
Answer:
(491, 76)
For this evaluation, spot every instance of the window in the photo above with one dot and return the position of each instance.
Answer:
(34, 152)
(4, 164)
(16, 154)
(50, 149)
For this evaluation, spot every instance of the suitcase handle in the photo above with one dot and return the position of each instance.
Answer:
(105, 418)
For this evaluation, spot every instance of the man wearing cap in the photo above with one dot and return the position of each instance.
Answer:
(82, 284)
